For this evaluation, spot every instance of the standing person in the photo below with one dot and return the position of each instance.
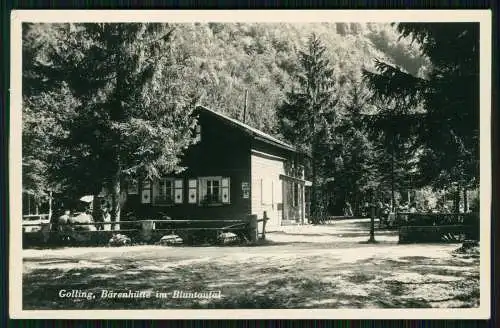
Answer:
(63, 225)
(106, 218)
(101, 213)
(64, 218)
(366, 210)
(348, 209)
(82, 222)
(387, 208)
(379, 211)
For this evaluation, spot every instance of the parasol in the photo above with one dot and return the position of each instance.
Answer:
(87, 198)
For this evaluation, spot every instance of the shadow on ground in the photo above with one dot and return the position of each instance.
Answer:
(252, 281)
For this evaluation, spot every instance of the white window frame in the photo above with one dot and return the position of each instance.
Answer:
(224, 189)
(175, 191)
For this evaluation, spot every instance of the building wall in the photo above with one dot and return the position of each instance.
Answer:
(266, 190)
(222, 151)
(226, 151)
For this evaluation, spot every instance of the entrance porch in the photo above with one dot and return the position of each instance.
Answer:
(295, 200)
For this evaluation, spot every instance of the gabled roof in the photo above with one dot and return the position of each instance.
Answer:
(253, 132)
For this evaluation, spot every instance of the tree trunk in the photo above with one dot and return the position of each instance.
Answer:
(372, 220)
(314, 192)
(466, 201)
(393, 158)
(314, 189)
(314, 169)
(96, 207)
(50, 205)
(457, 200)
(356, 204)
(115, 198)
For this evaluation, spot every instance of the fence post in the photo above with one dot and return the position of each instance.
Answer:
(253, 228)
(45, 231)
(264, 225)
(147, 229)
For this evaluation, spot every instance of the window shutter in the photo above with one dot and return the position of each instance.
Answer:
(202, 189)
(178, 192)
(192, 199)
(146, 192)
(146, 196)
(225, 191)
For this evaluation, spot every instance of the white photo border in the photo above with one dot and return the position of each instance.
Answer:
(483, 17)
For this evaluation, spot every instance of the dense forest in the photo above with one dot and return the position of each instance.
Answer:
(104, 104)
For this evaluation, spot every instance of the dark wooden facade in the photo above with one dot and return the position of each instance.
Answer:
(220, 176)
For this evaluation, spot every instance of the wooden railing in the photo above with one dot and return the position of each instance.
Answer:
(27, 216)
(437, 227)
(33, 222)
(141, 230)
(36, 217)
(414, 219)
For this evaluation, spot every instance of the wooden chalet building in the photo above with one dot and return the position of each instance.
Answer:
(232, 171)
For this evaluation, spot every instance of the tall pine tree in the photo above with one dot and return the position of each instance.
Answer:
(131, 118)
(449, 129)
(308, 115)
(354, 164)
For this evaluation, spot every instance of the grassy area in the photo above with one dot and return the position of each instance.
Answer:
(293, 271)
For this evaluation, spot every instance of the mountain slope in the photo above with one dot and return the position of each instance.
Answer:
(227, 59)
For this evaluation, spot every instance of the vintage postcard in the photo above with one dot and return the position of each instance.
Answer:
(250, 164)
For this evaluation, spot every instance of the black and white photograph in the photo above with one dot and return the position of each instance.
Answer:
(166, 164)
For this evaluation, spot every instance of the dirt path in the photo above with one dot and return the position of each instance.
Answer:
(302, 267)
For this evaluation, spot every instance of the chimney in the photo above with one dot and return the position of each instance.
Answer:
(245, 107)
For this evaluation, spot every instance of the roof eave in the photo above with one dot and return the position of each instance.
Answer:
(287, 147)
(249, 132)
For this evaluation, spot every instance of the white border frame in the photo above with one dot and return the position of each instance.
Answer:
(291, 16)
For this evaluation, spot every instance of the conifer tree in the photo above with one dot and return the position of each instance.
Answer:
(308, 115)
(131, 117)
(448, 130)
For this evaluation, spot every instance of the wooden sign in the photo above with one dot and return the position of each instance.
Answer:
(245, 188)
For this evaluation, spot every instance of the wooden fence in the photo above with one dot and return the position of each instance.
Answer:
(141, 231)
(34, 222)
(437, 227)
